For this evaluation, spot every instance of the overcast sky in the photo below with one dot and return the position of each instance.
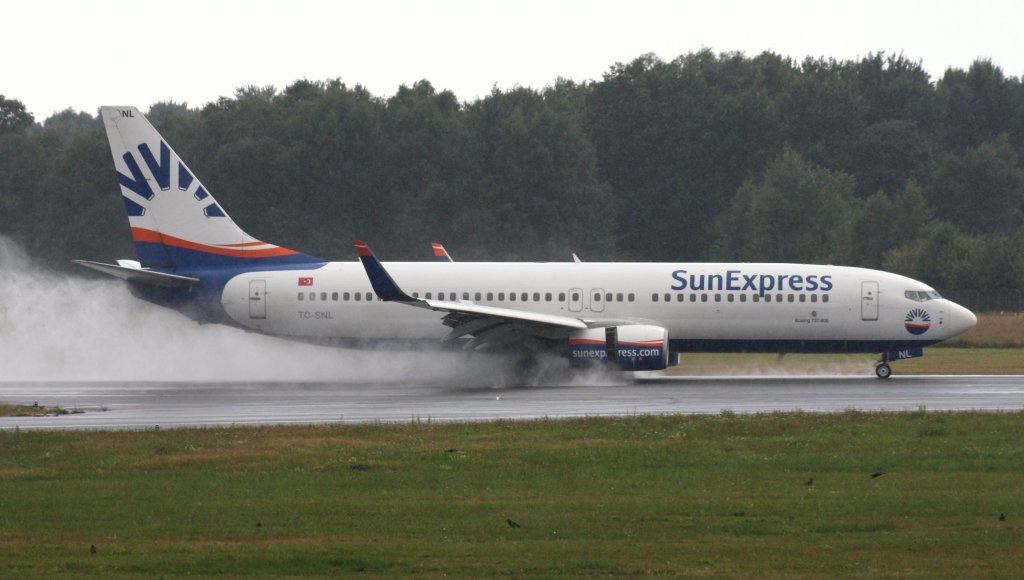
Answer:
(83, 54)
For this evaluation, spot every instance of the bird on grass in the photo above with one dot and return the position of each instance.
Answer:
(809, 481)
(512, 524)
(878, 473)
(1002, 517)
(92, 549)
(452, 450)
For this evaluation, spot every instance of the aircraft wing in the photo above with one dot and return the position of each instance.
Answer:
(488, 325)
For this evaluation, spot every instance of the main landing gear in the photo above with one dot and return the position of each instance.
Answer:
(883, 370)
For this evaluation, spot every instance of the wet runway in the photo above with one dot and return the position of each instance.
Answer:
(145, 405)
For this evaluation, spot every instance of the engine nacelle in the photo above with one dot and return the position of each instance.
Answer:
(634, 347)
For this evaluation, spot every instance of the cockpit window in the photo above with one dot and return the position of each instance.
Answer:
(921, 295)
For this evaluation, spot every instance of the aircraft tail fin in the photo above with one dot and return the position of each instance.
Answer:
(440, 254)
(175, 221)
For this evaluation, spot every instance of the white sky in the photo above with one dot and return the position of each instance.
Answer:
(83, 54)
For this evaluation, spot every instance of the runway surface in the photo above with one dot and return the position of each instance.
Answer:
(145, 405)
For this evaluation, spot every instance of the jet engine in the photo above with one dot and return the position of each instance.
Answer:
(634, 347)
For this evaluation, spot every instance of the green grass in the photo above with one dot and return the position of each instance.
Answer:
(941, 361)
(34, 410)
(682, 495)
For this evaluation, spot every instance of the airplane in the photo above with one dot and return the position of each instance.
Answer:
(624, 316)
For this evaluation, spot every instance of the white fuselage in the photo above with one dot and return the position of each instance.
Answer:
(707, 306)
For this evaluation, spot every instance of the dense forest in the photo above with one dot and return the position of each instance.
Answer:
(705, 157)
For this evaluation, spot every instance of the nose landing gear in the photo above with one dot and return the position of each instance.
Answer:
(882, 368)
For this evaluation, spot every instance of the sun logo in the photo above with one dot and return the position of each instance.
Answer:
(918, 321)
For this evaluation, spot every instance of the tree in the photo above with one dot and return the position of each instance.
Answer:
(13, 116)
(982, 190)
(67, 123)
(796, 212)
(882, 223)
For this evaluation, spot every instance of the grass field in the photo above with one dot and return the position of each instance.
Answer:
(936, 360)
(993, 330)
(718, 495)
(994, 346)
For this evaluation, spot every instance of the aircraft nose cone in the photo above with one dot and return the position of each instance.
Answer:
(960, 320)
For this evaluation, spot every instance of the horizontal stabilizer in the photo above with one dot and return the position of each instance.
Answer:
(142, 276)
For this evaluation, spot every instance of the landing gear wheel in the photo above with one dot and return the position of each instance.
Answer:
(883, 371)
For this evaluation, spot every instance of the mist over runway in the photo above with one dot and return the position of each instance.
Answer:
(146, 405)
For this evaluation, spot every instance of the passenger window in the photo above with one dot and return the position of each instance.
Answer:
(524, 297)
(778, 297)
(323, 296)
(654, 297)
(369, 296)
(814, 297)
(824, 298)
(680, 297)
(561, 296)
(631, 297)
(618, 297)
(803, 298)
(718, 297)
(575, 296)
(490, 296)
(703, 297)
(668, 297)
(693, 297)
(302, 296)
(789, 298)
(536, 296)
(547, 297)
(743, 297)
(465, 295)
(358, 296)
(597, 296)
(767, 297)
(512, 296)
(730, 297)
(476, 297)
(501, 296)
(608, 297)
(334, 296)
(756, 298)
(345, 296)
(312, 296)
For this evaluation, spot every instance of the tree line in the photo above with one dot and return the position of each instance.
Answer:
(705, 157)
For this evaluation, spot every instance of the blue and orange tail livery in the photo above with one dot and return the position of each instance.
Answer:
(175, 221)
(440, 254)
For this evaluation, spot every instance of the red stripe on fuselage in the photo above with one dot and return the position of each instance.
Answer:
(146, 235)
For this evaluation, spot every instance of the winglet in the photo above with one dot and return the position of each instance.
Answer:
(383, 285)
(440, 253)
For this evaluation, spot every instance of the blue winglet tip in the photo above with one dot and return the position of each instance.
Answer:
(383, 285)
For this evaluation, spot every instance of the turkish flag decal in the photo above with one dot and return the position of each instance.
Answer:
(305, 281)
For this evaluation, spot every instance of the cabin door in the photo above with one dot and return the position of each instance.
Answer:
(257, 299)
(869, 300)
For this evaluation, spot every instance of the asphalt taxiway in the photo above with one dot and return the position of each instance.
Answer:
(147, 405)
